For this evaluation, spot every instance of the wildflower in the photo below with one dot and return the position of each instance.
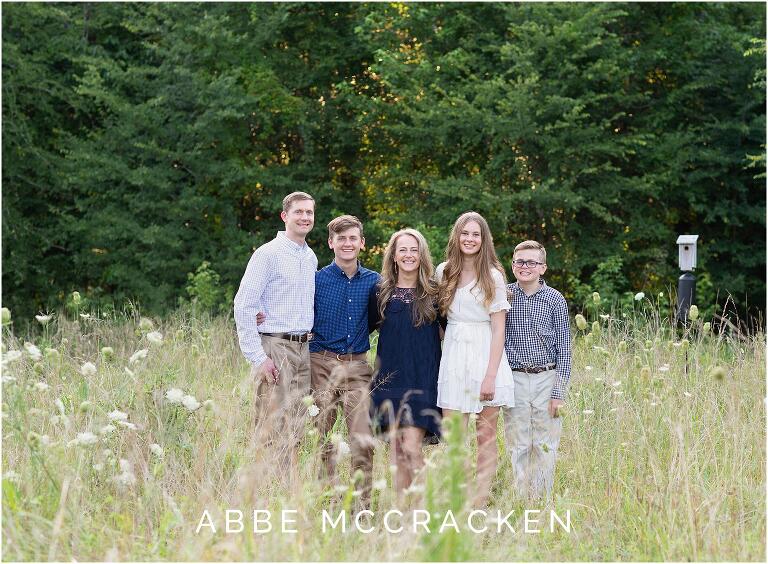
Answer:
(588, 411)
(693, 313)
(98, 466)
(596, 328)
(106, 429)
(41, 386)
(76, 298)
(84, 439)
(598, 378)
(8, 379)
(126, 476)
(588, 368)
(639, 296)
(622, 346)
(146, 324)
(357, 493)
(379, 485)
(313, 411)
(616, 384)
(12, 476)
(190, 402)
(617, 392)
(605, 316)
(414, 488)
(645, 372)
(11, 356)
(718, 372)
(59, 405)
(706, 327)
(581, 322)
(88, 369)
(596, 297)
(664, 368)
(117, 415)
(54, 420)
(341, 488)
(688, 394)
(156, 449)
(52, 354)
(155, 337)
(138, 355)
(342, 449)
(336, 439)
(108, 353)
(174, 395)
(85, 316)
(43, 319)
(5, 315)
(33, 352)
(127, 424)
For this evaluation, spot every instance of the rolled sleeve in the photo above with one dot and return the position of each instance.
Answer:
(563, 349)
(248, 305)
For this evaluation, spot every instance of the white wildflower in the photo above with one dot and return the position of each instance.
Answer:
(342, 449)
(141, 354)
(126, 476)
(336, 439)
(117, 415)
(664, 368)
(617, 393)
(639, 296)
(33, 352)
(379, 484)
(155, 337)
(688, 394)
(605, 317)
(156, 449)
(414, 488)
(88, 369)
(43, 319)
(313, 411)
(341, 488)
(11, 356)
(174, 395)
(588, 411)
(616, 384)
(41, 386)
(190, 402)
(8, 379)
(146, 324)
(12, 476)
(84, 439)
(59, 405)
(85, 316)
(127, 424)
(587, 368)
(106, 429)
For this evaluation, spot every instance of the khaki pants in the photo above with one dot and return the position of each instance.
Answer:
(280, 411)
(346, 383)
(532, 435)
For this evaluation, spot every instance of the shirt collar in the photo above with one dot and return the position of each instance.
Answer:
(337, 269)
(283, 238)
(541, 288)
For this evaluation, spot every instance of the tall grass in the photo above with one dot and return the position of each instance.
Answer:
(661, 459)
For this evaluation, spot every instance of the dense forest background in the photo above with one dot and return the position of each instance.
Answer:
(142, 140)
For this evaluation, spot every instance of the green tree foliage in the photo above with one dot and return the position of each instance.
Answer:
(141, 140)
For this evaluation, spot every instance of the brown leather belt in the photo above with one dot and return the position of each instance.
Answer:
(535, 369)
(342, 357)
(303, 338)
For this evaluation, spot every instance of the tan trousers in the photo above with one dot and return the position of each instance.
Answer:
(345, 383)
(280, 411)
(532, 435)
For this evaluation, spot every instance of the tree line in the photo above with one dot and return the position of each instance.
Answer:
(141, 140)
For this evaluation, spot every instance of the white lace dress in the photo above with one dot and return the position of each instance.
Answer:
(467, 347)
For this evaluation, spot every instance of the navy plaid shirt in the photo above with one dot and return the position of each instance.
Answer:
(538, 333)
(342, 310)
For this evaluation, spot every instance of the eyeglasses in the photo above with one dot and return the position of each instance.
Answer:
(528, 263)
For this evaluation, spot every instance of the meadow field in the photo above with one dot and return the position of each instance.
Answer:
(119, 432)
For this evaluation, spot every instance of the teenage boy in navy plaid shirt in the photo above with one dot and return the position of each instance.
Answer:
(538, 346)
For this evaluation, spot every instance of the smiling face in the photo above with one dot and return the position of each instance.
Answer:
(407, 253)
(299, 218)
(528, 273)
(347, 244)
(470, 239)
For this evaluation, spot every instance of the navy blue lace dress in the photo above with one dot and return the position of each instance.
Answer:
(404, 387)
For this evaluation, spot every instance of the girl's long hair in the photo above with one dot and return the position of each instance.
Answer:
(425, 295)
(485, 261)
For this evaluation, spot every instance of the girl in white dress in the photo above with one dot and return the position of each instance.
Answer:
(474, 375)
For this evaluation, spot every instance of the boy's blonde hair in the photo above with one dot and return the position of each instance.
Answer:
(525, 245)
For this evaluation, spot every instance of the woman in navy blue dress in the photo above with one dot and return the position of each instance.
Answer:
(404, 388)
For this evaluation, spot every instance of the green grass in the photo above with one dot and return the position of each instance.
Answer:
(669, 465)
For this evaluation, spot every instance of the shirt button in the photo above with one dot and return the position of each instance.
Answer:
(350, 318)
(350, 300)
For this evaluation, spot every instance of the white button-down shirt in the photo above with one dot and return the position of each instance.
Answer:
(279, 282)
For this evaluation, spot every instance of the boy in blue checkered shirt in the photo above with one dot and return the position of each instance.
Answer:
(538, 346)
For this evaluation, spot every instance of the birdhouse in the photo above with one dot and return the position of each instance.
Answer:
(687, 247)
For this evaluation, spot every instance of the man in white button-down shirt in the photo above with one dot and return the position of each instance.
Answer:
(279, 282)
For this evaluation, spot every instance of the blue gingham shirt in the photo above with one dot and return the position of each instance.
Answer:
(538, 333)
(342, 306)
(279, 282)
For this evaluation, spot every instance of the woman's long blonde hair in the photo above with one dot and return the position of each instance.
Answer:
(426, 289)
(485, 261)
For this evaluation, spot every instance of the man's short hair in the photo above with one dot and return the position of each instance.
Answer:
(525, 245)
(289, 200)
(342, 223)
